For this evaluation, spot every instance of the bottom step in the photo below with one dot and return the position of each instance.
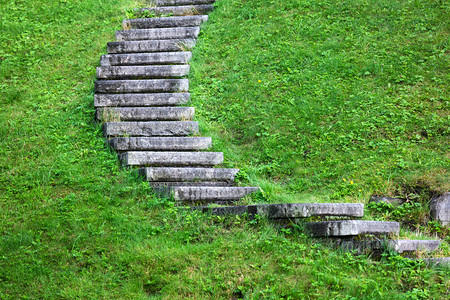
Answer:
(352, 228)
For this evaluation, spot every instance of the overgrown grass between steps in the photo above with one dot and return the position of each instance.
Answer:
(75, 225)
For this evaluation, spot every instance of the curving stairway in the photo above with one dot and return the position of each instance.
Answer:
(139, 97)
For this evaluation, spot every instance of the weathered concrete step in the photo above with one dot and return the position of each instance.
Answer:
(151, 46)
(162, 128)
(140, 59)
(184, 10)
(438, 262)
(160, 143)
(291, 210)
(145, 113)
(139, 100)
(212, 194)
(180, 2)
(399, 246)
(130, 72)
(171, 159)
(352, 228)
(169, 184)
(157, 34)
(141, 86)
(188, 174)
(164, 22)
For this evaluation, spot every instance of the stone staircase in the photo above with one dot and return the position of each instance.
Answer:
(139, 94)
(141, 85)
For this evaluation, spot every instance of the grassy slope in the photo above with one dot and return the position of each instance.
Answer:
(75, 225)
(311, 95)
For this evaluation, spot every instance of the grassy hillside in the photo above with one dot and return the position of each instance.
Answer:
(75, 225)
(329, 100)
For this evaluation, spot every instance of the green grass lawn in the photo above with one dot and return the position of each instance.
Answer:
(313, 100)
(311, 96)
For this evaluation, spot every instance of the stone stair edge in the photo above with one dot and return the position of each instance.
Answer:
(142, 72)
(168, 33)
(144, 46)
(179, 2)
(171, 158)
(166, 143)
(164, 22)
(290, 210)
(179, 10)
(341, 228)
(141, 99)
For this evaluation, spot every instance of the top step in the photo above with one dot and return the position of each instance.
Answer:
(185, 10)
(180, 2)
(164, 22)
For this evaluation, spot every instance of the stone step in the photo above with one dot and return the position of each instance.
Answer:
(185, 10)
(145, 113)
(196, 175)
(140, 59)
(130, 72)
(163, 185)
(160, 143)
(171, 159)
(162, 128)
(291, 210)
(164, 22)
(180, 2)
(151, 46)
(139, 100)
(141, 86)
(157, 34)
(401, 246)
(398, 246)
(211, 194)
(443, 262)
(352, 228)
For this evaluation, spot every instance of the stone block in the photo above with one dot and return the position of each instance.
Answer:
(211, 193)
(140, 59)
(171, 184)
(130, 72)
(151, 46)
(387, 200)
(399, 246)
(164, 22)
(438, 262)
(189, 174)
(440, 208)
(145, 113)
(184, 10)
(352, 228)
(160, 143)
(141, 86)
(152, 99)
(157, 34)
(171, 159)
(180, 2)
(163, 128)
(295, 210)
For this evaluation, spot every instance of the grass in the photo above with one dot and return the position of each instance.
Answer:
(75, 225)
(308, 96)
